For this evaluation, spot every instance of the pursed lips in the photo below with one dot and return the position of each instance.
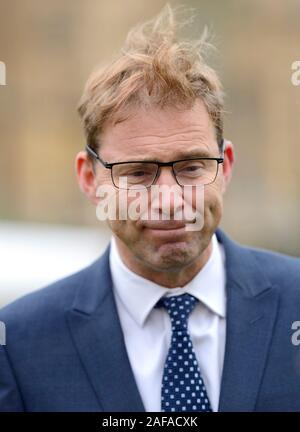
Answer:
(164, 225)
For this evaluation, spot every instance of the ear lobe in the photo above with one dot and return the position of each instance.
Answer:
(86, 176)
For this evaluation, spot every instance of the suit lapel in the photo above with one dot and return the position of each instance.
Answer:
(251, 312)
(98, 337)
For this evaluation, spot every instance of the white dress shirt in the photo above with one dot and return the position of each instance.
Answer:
(147, 330)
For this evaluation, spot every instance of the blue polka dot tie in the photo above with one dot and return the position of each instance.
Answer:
(183, 388)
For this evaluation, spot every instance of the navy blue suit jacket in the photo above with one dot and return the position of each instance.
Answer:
(65, 348)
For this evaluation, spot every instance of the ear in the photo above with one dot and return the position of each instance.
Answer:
(228, 163)
(86, 176)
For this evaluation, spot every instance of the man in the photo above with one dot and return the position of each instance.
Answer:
(169, 318)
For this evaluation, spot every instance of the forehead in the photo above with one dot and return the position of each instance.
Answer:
(159, 133)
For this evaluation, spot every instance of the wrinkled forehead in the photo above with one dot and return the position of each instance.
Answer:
(160, 133)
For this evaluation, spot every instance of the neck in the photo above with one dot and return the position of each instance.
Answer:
(168, 279)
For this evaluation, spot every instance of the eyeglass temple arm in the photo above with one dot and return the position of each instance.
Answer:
(223, 146)
(93, 153)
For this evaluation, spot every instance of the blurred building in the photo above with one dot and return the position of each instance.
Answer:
(35, 255)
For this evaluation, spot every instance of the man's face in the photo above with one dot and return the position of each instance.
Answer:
(164, 135)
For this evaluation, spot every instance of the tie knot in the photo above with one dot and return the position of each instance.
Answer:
(179, 309)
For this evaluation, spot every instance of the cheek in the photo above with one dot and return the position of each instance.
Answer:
(124, 226)
(210, 198)
(213, 204)
(102, 180)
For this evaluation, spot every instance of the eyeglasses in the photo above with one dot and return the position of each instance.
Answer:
(141, 174)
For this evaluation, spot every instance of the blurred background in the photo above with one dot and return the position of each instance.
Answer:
(47, 227)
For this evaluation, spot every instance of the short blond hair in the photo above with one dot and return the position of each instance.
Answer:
(152, 69)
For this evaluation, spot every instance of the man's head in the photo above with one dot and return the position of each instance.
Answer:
(158, 101)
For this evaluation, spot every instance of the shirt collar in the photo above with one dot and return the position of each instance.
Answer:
(139, 295)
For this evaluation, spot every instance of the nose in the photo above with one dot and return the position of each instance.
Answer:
(168, 199)
(165, 176)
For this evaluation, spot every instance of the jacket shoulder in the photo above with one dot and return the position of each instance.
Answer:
(282, 270)
(277, 263)
(50, 300)
(279, 269)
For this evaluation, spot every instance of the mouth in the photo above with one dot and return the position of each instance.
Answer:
(164, 225)
(166, 231)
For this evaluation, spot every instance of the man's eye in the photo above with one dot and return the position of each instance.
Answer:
(138, 173)
(192, 168)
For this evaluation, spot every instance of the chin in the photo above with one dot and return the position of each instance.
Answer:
(172, 255)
